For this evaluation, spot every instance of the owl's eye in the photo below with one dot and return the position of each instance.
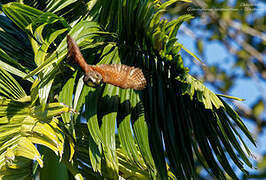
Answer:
(98, 76)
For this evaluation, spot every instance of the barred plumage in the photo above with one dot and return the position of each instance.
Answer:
(121, 75)
(116, 74)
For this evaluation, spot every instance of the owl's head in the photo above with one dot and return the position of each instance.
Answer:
(92, 79)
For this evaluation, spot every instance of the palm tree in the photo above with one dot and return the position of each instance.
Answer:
(107, 132)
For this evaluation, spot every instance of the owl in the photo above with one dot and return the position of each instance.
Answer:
(119, 75)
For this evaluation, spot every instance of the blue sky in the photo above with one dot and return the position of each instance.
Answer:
(243, 88)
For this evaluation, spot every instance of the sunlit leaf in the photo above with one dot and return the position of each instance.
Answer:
(157, 133)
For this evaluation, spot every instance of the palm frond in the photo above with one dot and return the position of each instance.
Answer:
(9, 87)
(22, 126)
(173, 119)
(16, 54)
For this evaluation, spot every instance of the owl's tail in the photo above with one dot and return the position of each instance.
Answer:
(75, 54)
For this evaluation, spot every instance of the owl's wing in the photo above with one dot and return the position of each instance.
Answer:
(122, 76)
(75, 54)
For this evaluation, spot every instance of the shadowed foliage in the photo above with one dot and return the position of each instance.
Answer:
(157, 133)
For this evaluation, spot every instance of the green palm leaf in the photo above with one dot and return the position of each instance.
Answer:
(157, 132)
(22, 126)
